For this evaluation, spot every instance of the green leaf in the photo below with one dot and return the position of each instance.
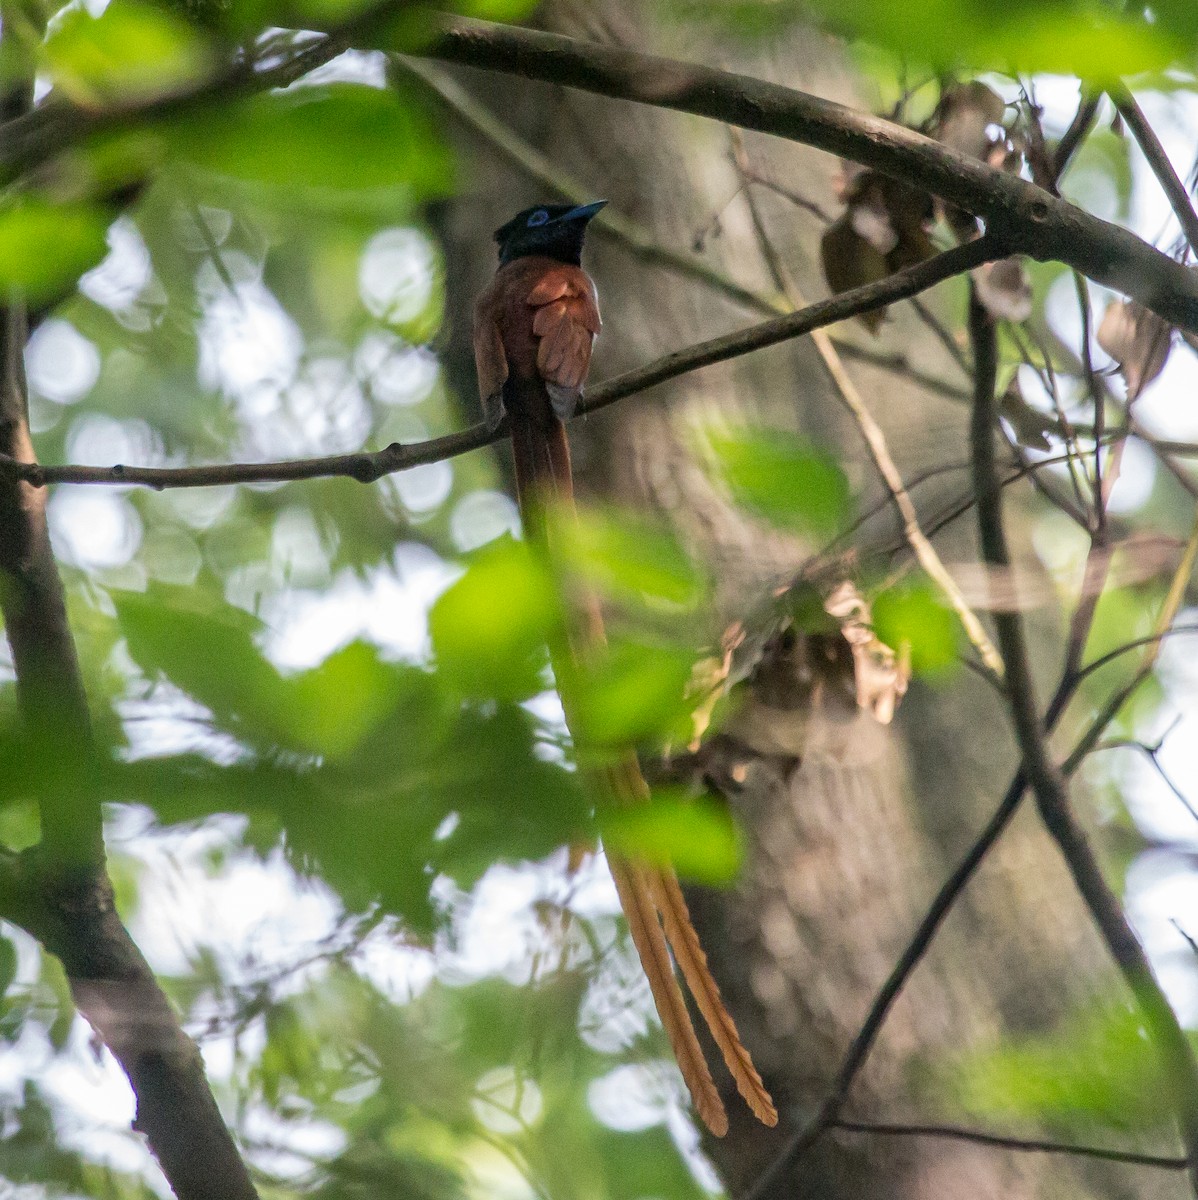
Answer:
(489, 629)
(8, 964)
(44, 247)
(335, 139)
(1100, 1066)
(207, 652)
(336, 705)
(626, 557)
(131, 52)
(1095, 41)
(785, 479)
(699, 838)
(633, 693)
(913, 615)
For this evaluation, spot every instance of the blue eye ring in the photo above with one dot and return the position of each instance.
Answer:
(538, 218)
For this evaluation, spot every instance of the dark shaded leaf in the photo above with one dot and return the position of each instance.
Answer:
(131, 52)
(44, 247)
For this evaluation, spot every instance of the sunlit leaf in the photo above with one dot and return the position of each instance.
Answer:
(785, 479)
(631, 694)
(626, 557)
(336, 704)
(1072, 37)
(44, 247)
(698, 837)
(913, 615)
(490, 627)
(130, 52)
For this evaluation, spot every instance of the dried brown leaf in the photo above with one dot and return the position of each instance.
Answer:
(1004, 289)
(850, 260)
(880, 675)
(1138, 340)
(967, 114)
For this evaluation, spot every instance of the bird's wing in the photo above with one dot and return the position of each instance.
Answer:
(566, 322)
(490, 361)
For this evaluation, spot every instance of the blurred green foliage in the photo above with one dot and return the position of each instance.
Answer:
(347, 687)
(913, 615)
(785, 479)
(1098, 1066)
(1099, 40)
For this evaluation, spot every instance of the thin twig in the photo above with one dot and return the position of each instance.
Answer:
(1072, 138)
(875, 440)
(1032, 1145)
(942, 335)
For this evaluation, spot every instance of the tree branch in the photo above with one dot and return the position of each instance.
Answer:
(367, 466)
(871, 432)
(59, 890)
(1158, 160)
(1176, 1057)
(1027, 219)
(609, 223)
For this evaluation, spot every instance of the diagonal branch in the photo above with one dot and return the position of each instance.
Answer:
(1158, 160)
(873, 436)
(367, 466)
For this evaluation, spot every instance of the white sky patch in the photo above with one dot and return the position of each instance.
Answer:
(255, 917)
(97, 439)
(299, 552)
(389, 607)
(1163, 888)
(630, 1098)
(247, 340)
(62, 364)
(122, 276)
(93, 528)
(395, 277)
(482, 516)
(1137, 474)
(506, 1101)
(422, 489)
(394, 372)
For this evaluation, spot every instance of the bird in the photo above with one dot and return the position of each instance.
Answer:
(535, 326)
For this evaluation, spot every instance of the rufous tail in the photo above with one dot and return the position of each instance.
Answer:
(651, 898)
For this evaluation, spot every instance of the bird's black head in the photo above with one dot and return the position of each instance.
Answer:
(554, 230)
